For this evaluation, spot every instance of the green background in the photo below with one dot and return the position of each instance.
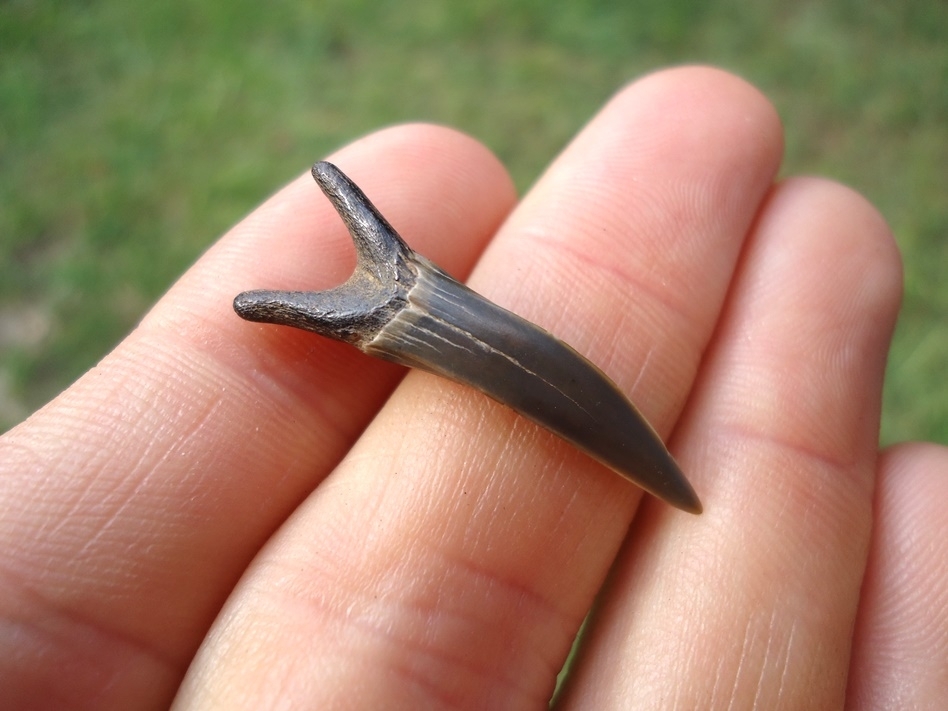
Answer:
(133, 134)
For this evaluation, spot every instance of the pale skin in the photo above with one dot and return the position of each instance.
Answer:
(233, 515)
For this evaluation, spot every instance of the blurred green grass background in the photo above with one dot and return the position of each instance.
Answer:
(133, 134)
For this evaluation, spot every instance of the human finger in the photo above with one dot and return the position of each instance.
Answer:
(133, 502)
(753, 604)
(450, 558)
(900, 649)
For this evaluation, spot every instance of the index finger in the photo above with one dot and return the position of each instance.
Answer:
(133, 502)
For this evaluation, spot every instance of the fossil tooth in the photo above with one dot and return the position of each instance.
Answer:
(401, 307)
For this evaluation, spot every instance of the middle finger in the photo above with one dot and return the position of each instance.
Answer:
(433, 558)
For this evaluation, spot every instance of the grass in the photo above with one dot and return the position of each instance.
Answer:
(132, 135)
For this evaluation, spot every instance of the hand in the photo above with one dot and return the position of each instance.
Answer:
(434, 550)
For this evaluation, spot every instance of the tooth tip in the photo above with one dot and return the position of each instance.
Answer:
(678, 491)
(690, 504)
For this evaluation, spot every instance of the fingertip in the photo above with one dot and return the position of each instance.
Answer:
(917, 474)
(434, 145)
(865, 246)
(726, 104)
